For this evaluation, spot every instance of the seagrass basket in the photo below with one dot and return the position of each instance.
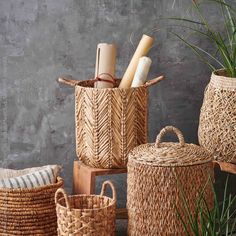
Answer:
(217, 124)
(109, 122)
(89, 215)
(29, 211)
(160, 176)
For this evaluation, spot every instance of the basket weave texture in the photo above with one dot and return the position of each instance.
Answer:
(29, 211)
(109, 123)
(217, 124)
(158, 174)
(89, 215)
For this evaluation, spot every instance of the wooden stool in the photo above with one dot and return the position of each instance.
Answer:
(84, 179)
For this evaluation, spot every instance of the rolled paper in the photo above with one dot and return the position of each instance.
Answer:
(143, 48)
(105, 65)
(140, 76)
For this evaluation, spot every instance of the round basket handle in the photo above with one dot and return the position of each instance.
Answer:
(103, 190)
(62, 192)
(67, 79)
(168, 129)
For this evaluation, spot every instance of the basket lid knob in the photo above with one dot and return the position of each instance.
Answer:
(169, 129)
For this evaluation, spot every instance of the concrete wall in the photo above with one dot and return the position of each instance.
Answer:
(42, 39)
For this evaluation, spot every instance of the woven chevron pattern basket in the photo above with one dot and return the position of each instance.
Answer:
(158, 175)
(109, 122)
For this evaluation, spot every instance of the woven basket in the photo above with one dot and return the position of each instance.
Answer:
(89, 215)
(217, 124)
(157, 175)
(29, 211)
(109, 122)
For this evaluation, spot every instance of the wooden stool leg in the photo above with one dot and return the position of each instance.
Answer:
(83, 180)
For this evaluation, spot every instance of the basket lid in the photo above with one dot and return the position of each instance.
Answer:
(170, 153)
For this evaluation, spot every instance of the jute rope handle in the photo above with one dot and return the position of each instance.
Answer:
(103, 190)
(67, 79)
(154, 81)
(63, 193)
(169, 129)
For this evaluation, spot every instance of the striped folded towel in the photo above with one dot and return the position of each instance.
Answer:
(29, 178)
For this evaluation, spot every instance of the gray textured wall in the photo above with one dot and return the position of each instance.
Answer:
(42, 39)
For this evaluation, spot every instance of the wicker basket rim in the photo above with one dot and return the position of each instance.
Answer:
(82, 83)
(111, 204)
(34, 190)
(220, 81)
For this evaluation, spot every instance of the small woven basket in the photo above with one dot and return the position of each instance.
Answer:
(89, 215)
(109, 122)
(217, 124)
(158, 175)
(29, 211)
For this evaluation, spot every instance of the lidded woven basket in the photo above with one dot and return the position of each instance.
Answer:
(89, 215)
(217, 123)
(29, 211)
(109, 122)
(159, 174)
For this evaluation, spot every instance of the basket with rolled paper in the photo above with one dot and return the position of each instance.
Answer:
(111, 114)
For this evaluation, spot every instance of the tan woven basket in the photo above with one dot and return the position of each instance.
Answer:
(217, 124)
(29, 211)
(89, 215)
(157, 174)
(109, 122)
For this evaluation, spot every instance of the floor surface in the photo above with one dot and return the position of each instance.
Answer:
(121, 228)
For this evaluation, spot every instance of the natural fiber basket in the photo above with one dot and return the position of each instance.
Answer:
(29, 211)
(159, 174)
(89, 215)
(109, 122)
(217, 124)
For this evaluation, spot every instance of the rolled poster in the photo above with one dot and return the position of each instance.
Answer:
(143, 48)
(105, 65)
(140, 76)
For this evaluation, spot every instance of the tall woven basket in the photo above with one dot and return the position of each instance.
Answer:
(89, 215)
(159, 174)
(217, 124)
(29, 211)
(109, 122)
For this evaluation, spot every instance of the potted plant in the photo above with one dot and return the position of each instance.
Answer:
(206, 221)
(217, 124)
